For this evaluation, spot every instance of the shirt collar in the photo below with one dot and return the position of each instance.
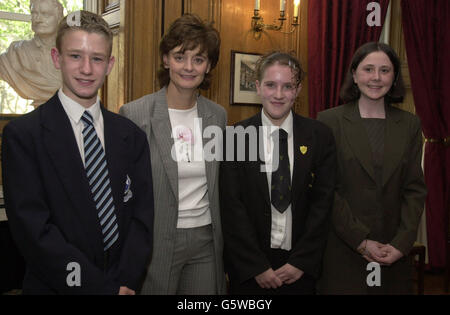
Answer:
(74, 110)
(192, 109)
(286, 125)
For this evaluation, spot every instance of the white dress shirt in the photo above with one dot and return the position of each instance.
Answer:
(75, 111)
(281, 233)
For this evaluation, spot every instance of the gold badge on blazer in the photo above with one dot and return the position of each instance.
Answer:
(303, 149)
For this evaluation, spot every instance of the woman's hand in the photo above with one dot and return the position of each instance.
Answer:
(289, 274)
(392, 255)
(373, 251)
(268, 280)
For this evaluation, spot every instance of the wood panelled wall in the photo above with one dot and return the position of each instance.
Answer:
(138, 27)
(233, 19)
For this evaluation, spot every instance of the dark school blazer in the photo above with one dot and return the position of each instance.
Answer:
(52, 216)
(246, 209)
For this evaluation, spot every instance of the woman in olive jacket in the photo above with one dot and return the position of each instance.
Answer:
(381, 192)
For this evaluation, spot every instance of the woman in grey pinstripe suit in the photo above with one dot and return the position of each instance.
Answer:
(187, 255)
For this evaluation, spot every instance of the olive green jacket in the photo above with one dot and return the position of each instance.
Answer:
(389, 213)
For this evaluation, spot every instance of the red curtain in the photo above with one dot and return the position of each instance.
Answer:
(336, 28)
(426, 26)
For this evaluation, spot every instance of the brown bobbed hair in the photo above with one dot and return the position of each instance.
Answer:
(190, 32)
(350, 91)
(281, 58)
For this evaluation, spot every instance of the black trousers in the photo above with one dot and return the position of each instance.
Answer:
(278, 257)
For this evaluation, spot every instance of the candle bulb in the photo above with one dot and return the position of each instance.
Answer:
(296, 7)
(257, 4)
(282, 5)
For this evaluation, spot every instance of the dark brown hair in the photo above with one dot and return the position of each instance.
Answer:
(350, 91)
(89, 22)
(281, 58)
(190, 32)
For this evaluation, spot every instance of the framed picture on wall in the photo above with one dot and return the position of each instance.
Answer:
(243, 88)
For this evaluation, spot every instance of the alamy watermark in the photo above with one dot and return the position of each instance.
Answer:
(374, 277)
(74, 19)
(241, 144)
(374, 17)
(73, 278)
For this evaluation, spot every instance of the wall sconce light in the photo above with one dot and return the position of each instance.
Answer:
(258, 25)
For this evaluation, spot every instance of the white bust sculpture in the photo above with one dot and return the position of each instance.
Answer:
(27, 64)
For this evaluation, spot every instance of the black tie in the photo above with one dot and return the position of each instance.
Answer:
(281, 178)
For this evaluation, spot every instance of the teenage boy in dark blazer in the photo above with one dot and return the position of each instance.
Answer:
(77, 178)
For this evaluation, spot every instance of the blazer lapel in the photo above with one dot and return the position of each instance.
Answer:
(116, 150)
(356, 135)
(162, 130)
(208, 119)
(260, 176)
(302, 156)
(62, 148)
(395, 141)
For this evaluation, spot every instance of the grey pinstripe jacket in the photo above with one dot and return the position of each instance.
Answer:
(151, 114)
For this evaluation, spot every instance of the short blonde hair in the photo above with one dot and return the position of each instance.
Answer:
(89, 22)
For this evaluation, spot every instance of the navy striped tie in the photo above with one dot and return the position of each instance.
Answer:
(97, 174)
